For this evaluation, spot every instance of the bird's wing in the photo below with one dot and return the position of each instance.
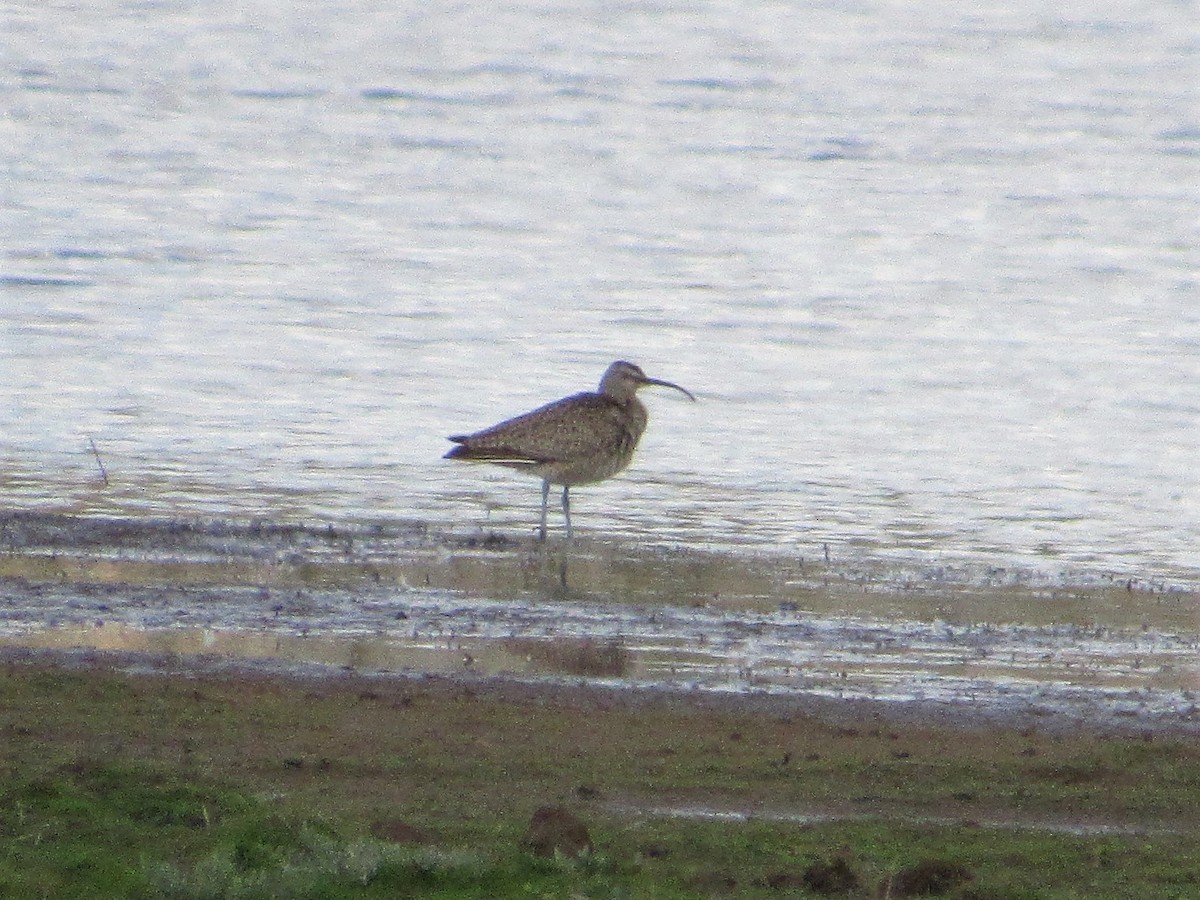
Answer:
(565, 429)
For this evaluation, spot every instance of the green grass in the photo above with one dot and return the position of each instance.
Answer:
(122, 829)
(121, 786)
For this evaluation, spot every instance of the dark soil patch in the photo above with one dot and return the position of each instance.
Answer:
(575, 656)
(830, 878)
(555, 830)
(928, 878)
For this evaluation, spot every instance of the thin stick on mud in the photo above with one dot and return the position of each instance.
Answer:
(99, 461)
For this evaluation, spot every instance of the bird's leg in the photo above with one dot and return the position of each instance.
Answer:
(545, 500)
(567, 509)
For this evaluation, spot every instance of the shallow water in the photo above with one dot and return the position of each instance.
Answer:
(933, 277)
(1138, 674)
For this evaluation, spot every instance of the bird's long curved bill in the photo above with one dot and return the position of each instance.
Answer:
(671, 384)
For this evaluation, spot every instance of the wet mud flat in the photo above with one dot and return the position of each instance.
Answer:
(398, 600)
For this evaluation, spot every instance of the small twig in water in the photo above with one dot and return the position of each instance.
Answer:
(99, 461)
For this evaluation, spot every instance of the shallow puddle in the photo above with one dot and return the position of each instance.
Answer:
(869, 812)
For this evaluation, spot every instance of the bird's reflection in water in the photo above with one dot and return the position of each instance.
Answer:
(548, 567)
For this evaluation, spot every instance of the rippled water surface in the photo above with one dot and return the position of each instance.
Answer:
(933, 275)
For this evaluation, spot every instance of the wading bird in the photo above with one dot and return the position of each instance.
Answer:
(579, 439)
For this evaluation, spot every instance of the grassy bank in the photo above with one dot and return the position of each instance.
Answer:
(117, 785)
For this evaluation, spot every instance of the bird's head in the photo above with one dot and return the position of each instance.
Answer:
(622, 379)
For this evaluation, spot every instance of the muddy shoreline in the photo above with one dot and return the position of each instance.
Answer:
(849, 640)
(840, 712)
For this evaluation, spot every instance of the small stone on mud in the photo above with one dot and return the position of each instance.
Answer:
(554, 829)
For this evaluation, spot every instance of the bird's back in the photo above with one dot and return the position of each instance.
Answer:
(582, 438)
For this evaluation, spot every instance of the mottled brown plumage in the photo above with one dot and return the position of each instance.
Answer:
(580, 439)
